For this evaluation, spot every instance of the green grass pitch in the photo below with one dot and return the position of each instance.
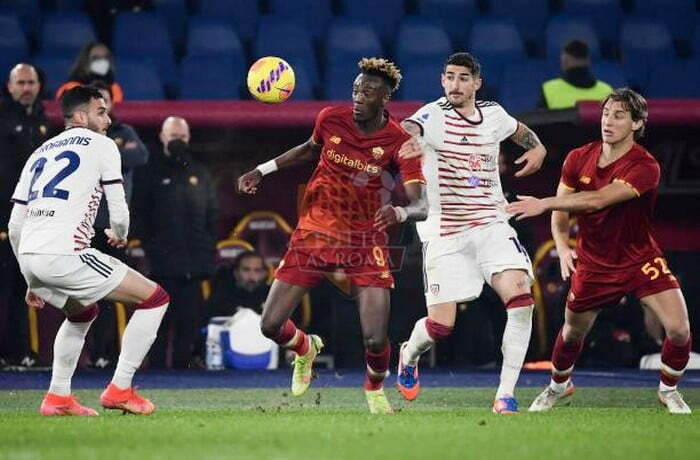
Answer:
(333, 423)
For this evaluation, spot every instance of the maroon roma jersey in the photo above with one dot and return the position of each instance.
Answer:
(619, 236)
(354, 175)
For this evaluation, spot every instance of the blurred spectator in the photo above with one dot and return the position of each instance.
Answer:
(23, 128)
(241, 287)
(94, 62)
(175, 201)
(576, 83)
(134, 153)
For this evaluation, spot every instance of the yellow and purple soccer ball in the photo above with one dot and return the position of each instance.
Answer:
(271, 80)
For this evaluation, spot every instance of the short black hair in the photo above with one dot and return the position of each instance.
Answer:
(75, 97)
(382, 68)
(634, 103)
(464, 60)
(577, 49)
(244, 255)
(103, 86)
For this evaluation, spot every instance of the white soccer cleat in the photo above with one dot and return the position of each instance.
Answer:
(548, 398)
(674, 402)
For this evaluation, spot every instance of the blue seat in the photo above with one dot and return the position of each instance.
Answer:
(243, 13)
(67, 5)
(530, 17)
(144, 36)
(678, 15)
(521, 85)
(563, 28)
(28, 12)
(421, 39)
(610, 72)
(495, 41)
(605, 16)
(303, 89)
(645, 44)
(278, 37)
(174, 12)
(223, 78)
(383, 16)
(312, 14)
(140, 80)
(421, 81)
(696, 39)
(675, 80)
(56, 70)
(65, 33)
(455, 16)
(338, 80)
(13, 44)
(214, 37)
(349, 41)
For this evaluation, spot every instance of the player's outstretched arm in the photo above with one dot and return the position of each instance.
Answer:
(613, 193)
(560, 234)
(14, 226)
(535, 150)
(416, 210)
(303, 153)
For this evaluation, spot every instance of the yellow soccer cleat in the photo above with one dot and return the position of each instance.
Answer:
(301, 378)
(377, 402)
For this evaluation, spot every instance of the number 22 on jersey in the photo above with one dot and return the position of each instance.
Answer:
(50, 190)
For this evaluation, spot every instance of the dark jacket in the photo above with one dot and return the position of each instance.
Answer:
(132, 157)
(176, 211)
(20, 135)
(226, 296)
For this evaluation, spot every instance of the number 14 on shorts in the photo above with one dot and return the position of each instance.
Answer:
(656, 268)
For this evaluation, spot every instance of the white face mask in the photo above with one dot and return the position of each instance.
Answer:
(99, 66)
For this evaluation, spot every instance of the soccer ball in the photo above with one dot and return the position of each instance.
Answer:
(271, 80)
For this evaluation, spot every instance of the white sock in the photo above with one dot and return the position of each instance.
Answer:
(664, 387)
(559, 387)
(516, 338)
(66, 352)
(138, 337)
(419, 342)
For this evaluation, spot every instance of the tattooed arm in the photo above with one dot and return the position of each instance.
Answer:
(534, 156)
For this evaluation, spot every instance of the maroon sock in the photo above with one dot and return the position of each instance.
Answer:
(377, 364)
(437, 331)
(564, 356)
(674, 358)
(292, 338)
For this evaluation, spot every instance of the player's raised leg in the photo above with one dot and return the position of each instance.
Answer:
(513, 287)
(67, 346)
(150, 301)
(374, 306)
(437, 326)
(671, 309)
(276, 325)
(567, 348)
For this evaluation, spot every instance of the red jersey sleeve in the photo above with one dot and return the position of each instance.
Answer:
(642, 177)
(411, 171)
(569, 170)
(317, 135)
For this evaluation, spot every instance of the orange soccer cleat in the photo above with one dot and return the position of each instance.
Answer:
(54, 404)
(126, 400)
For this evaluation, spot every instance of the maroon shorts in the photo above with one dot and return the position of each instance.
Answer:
(311, 256)
(593, 290)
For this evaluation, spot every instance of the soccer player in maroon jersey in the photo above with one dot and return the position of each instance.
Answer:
(610, 186)
(345, 212)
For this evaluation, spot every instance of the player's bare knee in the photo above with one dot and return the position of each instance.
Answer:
(679, 334)
(270, 327)
(573, 333)
(375, 344)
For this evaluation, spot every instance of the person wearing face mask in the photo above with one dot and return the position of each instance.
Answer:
(94, 62)
(175, 200)
(23, 128)
(134, 154)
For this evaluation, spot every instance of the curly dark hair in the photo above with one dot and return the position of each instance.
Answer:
(380, 67)
(632, 102)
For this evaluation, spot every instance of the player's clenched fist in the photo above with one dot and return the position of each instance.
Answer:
(248, 182)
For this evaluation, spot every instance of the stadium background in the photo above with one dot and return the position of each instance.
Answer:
(188, 58)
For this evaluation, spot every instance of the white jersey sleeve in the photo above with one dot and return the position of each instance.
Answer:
(505, 125)
(428, 118)
(112, 182)
(21, 193)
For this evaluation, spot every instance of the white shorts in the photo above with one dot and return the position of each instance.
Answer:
(455, 269)
(87, 276)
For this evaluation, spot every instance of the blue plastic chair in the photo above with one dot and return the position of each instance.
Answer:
(605, 16)
(210, 77)
(421, 81)
(679, 16)
(521, 85)
(140, 80)
(530, 16)
(421, 39)
(349, 41)
(65, 33)
(455, 16)
(676, 80)
(56, 70)
(383, 16)
(610, 72)
(645, 44)
(213, 37)
(311, 14)
(13, 44)
(28, 12)
(243, 13)
(563, 28)
(495, 41)
(174, 12)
